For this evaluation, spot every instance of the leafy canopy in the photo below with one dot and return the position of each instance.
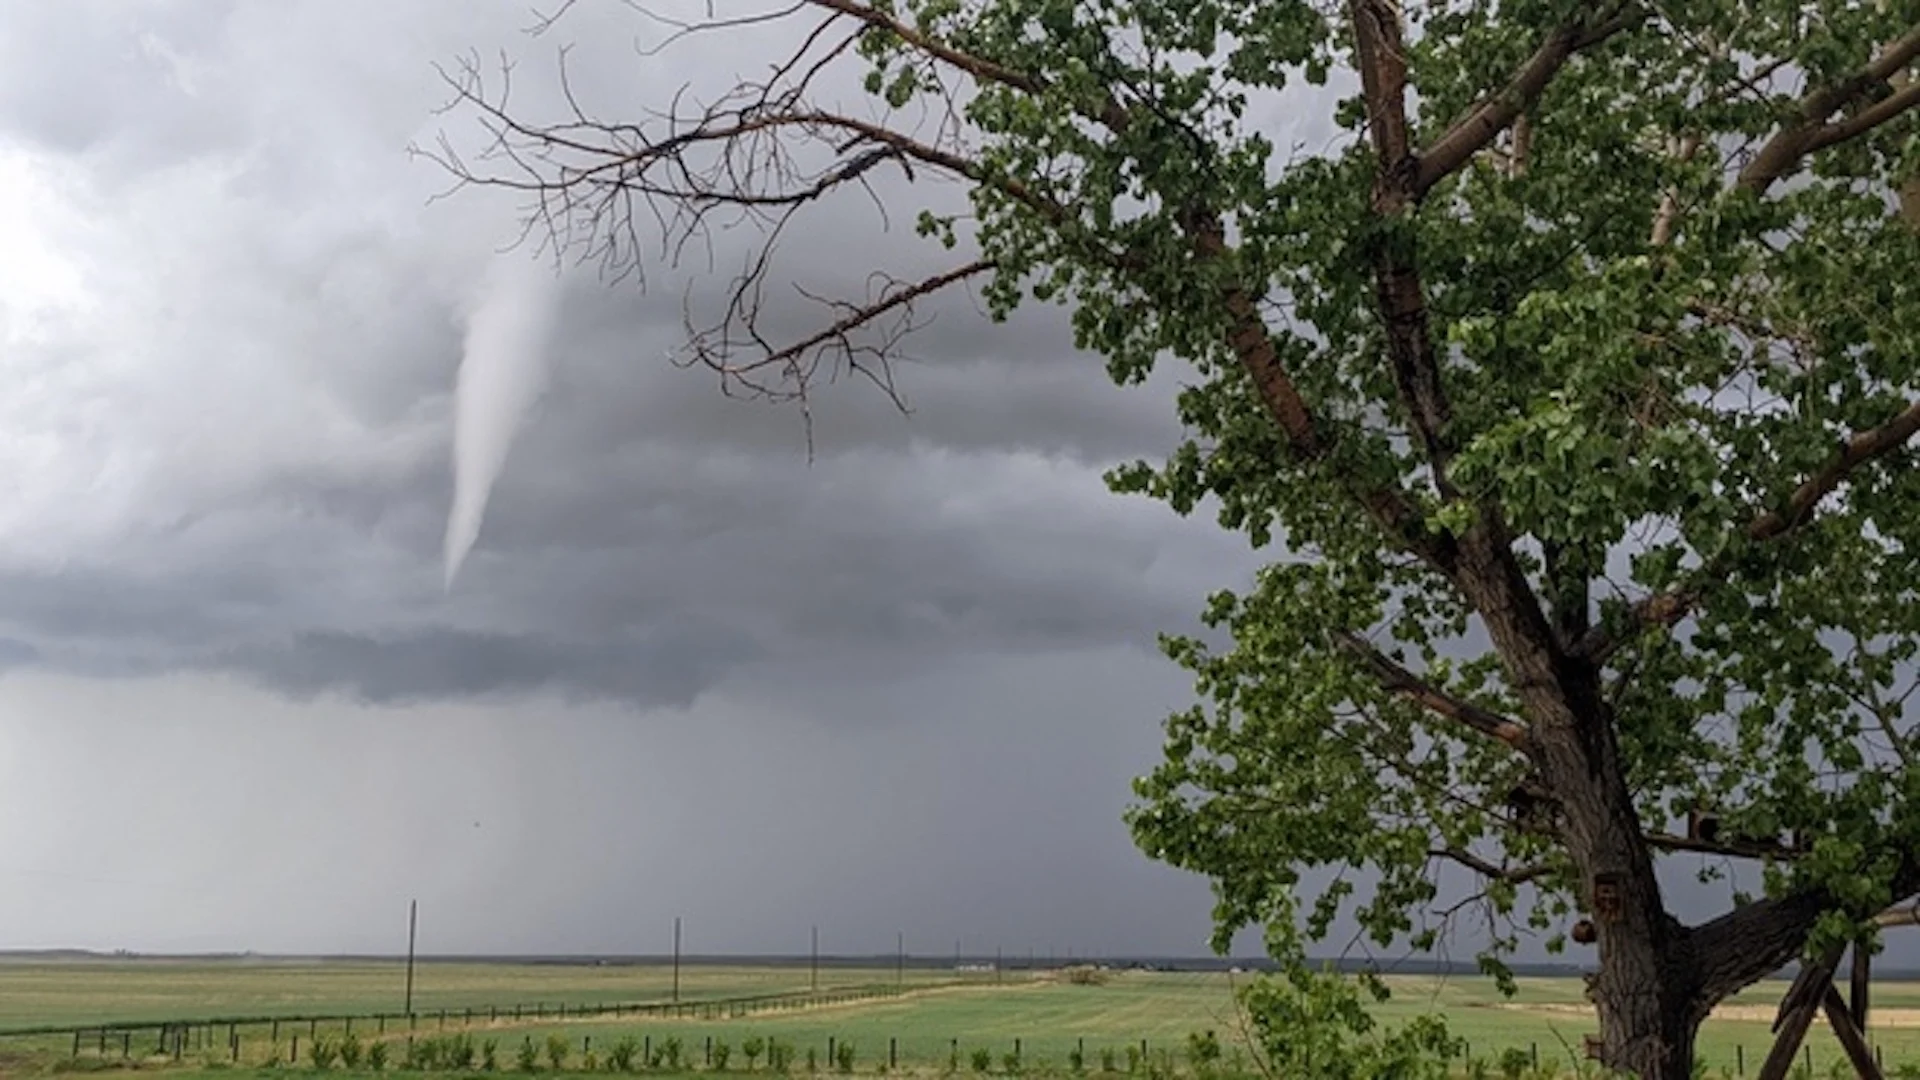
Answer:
(1630, 395)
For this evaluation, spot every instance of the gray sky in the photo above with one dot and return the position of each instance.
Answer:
(683, 672)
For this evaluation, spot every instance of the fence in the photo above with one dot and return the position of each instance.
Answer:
(174, 1038)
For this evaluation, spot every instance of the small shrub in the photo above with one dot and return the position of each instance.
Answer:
(1076, 1061)
(527, 1058)
(953, 1059)
(1086, 975)
(351, 1051)
(1515, 1063)
(463, 1052)
(721, 1052)
(813, 1061)
(670, 1050)
(843, 1056)
(1133, 1059)
(624, 1054)
(1203, 1051)
(490, 1055)
(1107, 1062)
(323, 1052)
(589, 1062)
(982, 1059)
(751, 1046)
(557, 1049)
(377, 1056)
(1010, 1063)
(780, 1056)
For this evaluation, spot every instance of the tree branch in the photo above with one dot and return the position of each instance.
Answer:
(1668, 608)
(1398, 680)
(1474, 132)
(1110, 112)
(1512, 875)
(1810, 131)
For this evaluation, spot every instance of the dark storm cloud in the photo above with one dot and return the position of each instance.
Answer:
(264, 492)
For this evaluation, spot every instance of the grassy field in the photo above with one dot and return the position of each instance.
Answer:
(938, 1015)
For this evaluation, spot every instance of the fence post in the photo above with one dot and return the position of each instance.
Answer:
(276, 1031)
(383, 1024)
(126, 1044)
(1740, 1058)
(1533, 1050)
(293, 1056)
(893, 1051)
(829, 1053)
(349, 1025)
(709, 1051)
(76, 1044)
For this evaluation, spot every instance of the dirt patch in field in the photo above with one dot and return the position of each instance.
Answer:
(1760, 1014)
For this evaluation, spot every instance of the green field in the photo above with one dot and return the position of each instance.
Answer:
(938, 1014)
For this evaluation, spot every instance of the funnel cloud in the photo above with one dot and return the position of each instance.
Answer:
(503, 368)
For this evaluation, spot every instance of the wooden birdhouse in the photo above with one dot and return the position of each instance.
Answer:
(1609, 896)
(1703, 825)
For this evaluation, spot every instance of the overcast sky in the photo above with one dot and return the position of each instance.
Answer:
(683, 672)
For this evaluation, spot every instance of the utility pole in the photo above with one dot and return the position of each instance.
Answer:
(676, 958)
(413, 927)
(900, 958)
(814, 977)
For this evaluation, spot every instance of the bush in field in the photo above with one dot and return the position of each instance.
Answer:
(1107, 1062)
(751, 1046)
(377, 1056)
(1076, 1061)
(813, 1061)
(780, 1056)
(557, 1052)
(459, 1052)
(350, 1051)
(323, 1052)
(1010, 1063)
(1133, 1059)
(589, 1062)
(843, 1056)
(1203, 1053)
(490, 1055)
(1515, 1063)
(528, 1058)
(670, 1050)
(1086, 975)
(982, 1060)
(623, 1054)
(721, 1052)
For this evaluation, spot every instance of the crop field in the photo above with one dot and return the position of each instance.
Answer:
(938, 1017)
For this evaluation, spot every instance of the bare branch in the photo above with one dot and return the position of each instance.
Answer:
(1809, 131)
(1512, 875)
(1398, 680)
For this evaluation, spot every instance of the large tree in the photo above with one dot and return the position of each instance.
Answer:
(1569, 373)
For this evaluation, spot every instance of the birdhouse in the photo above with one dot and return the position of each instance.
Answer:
(1585, 933)
(1593, 1046)
(1703, 825)
(1609, 896)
